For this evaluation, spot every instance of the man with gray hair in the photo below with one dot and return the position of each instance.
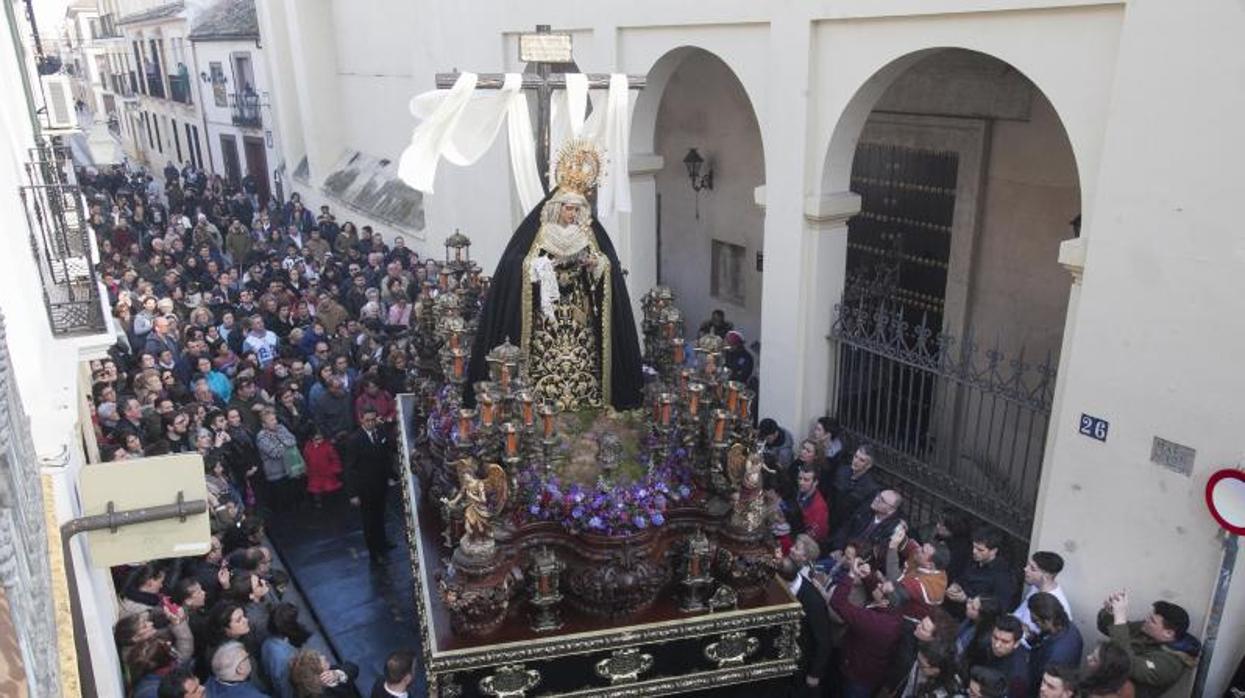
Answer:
(231, 669)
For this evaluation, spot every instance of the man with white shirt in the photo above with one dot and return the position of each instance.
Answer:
(262, 341)
(399, 675)
(1044, 566)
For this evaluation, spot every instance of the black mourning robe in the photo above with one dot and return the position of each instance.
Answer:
(502, 316)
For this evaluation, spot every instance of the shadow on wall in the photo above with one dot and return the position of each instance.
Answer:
(371, 185)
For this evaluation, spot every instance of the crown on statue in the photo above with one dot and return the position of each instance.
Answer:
(579, 167)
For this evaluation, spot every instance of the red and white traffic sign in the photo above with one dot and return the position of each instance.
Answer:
(1225, 497)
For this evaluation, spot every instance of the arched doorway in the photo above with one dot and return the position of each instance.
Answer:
(954, 303)
(708, 243)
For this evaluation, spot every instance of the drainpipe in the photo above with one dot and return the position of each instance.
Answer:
(21, 68)
(207, 136)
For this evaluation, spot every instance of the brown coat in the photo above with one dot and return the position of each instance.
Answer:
(330, 313)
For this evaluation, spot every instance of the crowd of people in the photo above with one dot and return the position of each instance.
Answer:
(271, 342)
(890, 610)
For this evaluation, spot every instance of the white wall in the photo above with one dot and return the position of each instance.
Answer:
(1158, 318)
(703, 106)
(1020, 293)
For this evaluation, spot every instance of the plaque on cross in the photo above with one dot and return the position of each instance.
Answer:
(542, 49)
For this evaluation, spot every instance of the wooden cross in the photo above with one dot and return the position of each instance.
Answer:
(545, 50)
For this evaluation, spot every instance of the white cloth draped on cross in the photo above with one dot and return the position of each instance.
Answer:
(461, 123)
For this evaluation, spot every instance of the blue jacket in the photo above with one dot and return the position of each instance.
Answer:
(1064, 647)
(219, 689)
(277, 653)
(147, 687)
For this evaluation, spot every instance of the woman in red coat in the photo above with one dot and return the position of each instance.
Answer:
(324, 467)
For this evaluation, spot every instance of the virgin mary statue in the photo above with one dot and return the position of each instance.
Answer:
(559, 290)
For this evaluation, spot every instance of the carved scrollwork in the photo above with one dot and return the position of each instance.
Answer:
(788, 642)
(624, 665)
(732, 649)
(624, 585)
(510, 681)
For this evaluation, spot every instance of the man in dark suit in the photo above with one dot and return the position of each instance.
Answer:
(398, 677)
(370, 454)
(814, 629)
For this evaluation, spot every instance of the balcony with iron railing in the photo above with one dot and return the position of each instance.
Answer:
(155, 85)
(61, 242)
(246, 110)
(179, 89)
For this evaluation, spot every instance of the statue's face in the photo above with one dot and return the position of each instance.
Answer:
(569, 211)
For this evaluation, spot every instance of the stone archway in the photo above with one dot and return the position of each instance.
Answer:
(705, 245)
(954, 303)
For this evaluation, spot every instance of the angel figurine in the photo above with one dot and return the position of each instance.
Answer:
(744, 471)
(482, 498)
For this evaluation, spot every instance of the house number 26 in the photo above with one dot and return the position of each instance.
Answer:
(1094, 427)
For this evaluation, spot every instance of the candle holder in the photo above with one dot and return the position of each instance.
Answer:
(733, 389)
(466, 420)
(695, 572)
(527, 410)
(510, 443)
(694, 393)
(719, 422)
(457, 248)
(545, 571)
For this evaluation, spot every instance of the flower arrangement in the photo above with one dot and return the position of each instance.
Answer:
(618, 510)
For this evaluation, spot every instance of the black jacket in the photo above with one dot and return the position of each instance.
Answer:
(995, 578)
(369, 461)
(814, 630)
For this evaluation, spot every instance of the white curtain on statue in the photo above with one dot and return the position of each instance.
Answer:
(609, 127)
(460, 125)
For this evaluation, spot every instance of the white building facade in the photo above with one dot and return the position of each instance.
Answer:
(81, 50)
(1047, 181)
(234, 93)
(166, 125)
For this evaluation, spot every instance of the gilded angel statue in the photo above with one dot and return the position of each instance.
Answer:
(482, 499)
(744, 471)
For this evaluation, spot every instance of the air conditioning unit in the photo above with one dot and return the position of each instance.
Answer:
(59, 102)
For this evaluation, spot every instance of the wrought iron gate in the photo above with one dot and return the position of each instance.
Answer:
(962, 425)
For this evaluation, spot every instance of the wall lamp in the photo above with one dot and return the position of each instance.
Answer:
(693, 162)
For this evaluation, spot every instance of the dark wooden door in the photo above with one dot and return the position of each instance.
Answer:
(899, 245)
(229, 153)
(257, 164)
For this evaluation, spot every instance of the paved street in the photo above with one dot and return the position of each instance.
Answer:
(365, 612)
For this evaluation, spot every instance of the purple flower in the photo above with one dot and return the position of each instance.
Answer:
(640, 522)
(595, 522)
(577, 512)
(684, 490)
(534, 509)
(658, 519)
